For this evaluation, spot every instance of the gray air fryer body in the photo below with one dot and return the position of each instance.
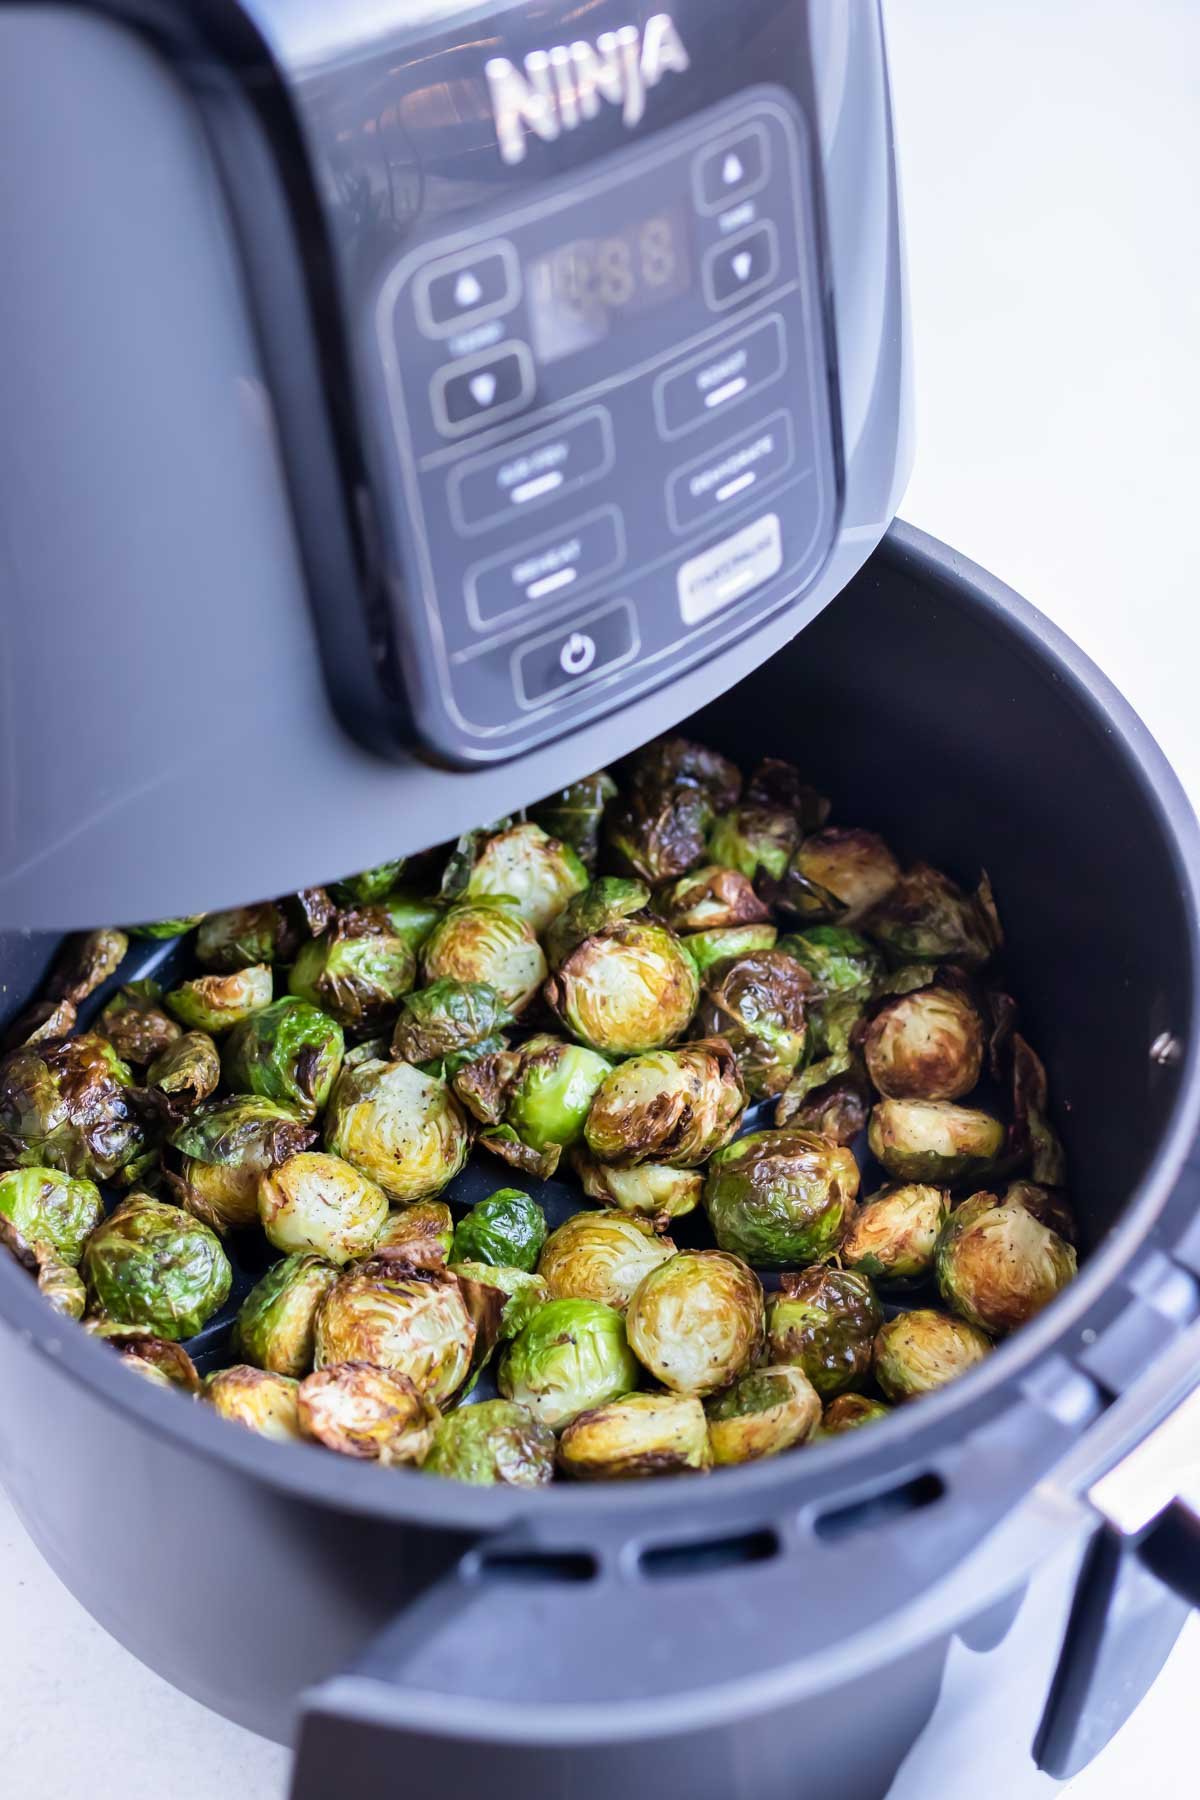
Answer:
(410, 409)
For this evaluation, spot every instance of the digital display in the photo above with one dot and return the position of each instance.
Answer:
(579, 291)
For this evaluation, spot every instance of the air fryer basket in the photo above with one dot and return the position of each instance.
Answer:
(704, 1629)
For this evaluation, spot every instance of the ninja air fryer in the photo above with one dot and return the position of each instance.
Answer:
(406, 410)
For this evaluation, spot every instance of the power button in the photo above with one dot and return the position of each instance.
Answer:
(577, 654)
(557, 662)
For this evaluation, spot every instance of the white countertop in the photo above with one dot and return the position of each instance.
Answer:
(1049, 159)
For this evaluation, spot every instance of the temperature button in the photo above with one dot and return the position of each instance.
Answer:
(464, 290)
(481, 389)
(741, 265)
(734, 169)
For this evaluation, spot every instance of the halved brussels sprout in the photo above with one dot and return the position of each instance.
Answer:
(215, 1003)
(257, 1398)
(411, 917)
(674, 1106)
(357, 971)
(421, 1234)
(636, 1436)
(494, 1444)
(894, 1233)
(824, 1322)
(155, 1265)
(501, 1302)
(575, 814)
(374, 1414)
(487, 940)
(533, 1101)
(539, 874)
(758, 1004)
(136, 1025)
(601, 1256)
(780, 1197)
(606, 901)
(764, 1412)
(697, 1322)
(165, 928)
(724, 943)
(318, 1203)
(60, 1285)
(275, 1327)
(156, 1359)
(927, 918)
(402, 1129)
(244, 936)
(653, 1190)
(289, 1051)
(839, 874)
(450, 1024)
(85, 962)
(780, 784)
(848, 1412)
(712, 899)
(998, 1265)
(632, 987)
(1047, 1205)
(838, 960)
(572, 1354)
(837, 1110)
(919, 1351)
(46, 1206)
(187, 1073)
(412, 1321)
(70, 1105)
(369, 885)
(225, 1147)
(926, 1045)
(755, 840)
(933, 1140)
(507, 1229)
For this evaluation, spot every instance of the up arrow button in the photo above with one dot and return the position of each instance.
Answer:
(734, 170)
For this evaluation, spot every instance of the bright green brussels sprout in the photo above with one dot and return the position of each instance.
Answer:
(848, 1412)
(606, 901)
(85, 962)
(755, 840)
(839, 961)
(922, 1350)
(261, 1400)
(758, 1004)
(136, 1025)
(724, 943)
(927, 918)
(357, 971)
(402, 1129)
(411, 917)
(155, 1265)
(487, 940)
(420, 1234)
(824, 1322)
(838, 874)
(933, 1140)
(539, 874)
(45, 1205)
(450, 1024)
(243, 936)
(155, 1359)
(780, 1197)
(630, 988)
(764, 1412)
(59, 1284)
(165, 928)
(412, 1321)
(275, 1327)
(215, 1003)
(501, 1303)
(601, 1256)
(70, 1106)
(926, 1045)
(289, 1051)
(780, 784)
(636, 1436)
(369, 885)
(998, 1265)
(186, 1073)
(374, 1414)
(652, 1190)
(574, 814)
(225, 1147)
(571, 1355)
(696, 1322)
(494, 1444)
(507, 1229)
(314, 1202)
(712, 899)
(894, 1233)
(837, 1110)
(532, 1101)
(674, 1106)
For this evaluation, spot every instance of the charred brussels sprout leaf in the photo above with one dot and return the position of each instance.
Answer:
(136, 1025)
(839, 874)
(673, 1106)
(755, 840)
(601, 1256)
(413, 1321)
(923, 1350)
(758, 1004)
(494, 1444)
(571, 1355)
(224, 1147)
(653, 1191)
(679, 762)
(244, 936)
(603, 903)
(636, 1436)
(420, 1234)
(632, 987)
(998, 1265)
(375, 1414)
(186, 1073)
(927, 918)
(215, 1003)
(450, 1024)
(926, 1045)
(369, 885)
(318, 1203)
(712, 899)
(487, 940)
(532, 1101)
(1034, 1138)
(275, 1327)
(41, 1023)
(725, 943)
(47, 1206)
(539, 874)
(780, 1197)
(696, 1322)
(894, 1234)
(824, 1322)
(848, 1412)
(85, 962)
(400, 1128)
(575, 814)
(507, 1229)
(165, 928)
(780, 784)
(290, 1051)
(501, 1302)
(357, 971)
(837, 1110)
(71, 1106)
(259, 1399)
(155, 1265)
(764, 1412)
(934, 1141)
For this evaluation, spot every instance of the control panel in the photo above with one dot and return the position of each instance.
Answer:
(609, 409)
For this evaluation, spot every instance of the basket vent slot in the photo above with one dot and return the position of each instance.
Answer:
(705, 1555)
(880, 1509)
(550, 1566)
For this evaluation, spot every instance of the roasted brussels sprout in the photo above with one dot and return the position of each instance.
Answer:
(244, 936)
(46, 1206)
(926, 1045)
(933, 1140)
(998, 1265)
(572, 1355)
(680, 762)
(780, 1197)
(186, 1074)
(755, 840)
(290, 1051)
(71, 1106)
(487, 940)
(41, 1023)
(275, 1327)
(837, 1110)
(922, 1350)
(575, 814)
(894, 1233)
(848, 1412)
(712, 899)
(532, 1101)
(225, 1147)
(411, 917)
(156, 1359)
(824, 1322)
(1046, 1204)
(758, 1004)
(652, 1190)
(357, 971)
(657, 832)
(601, 1256)
(494, 1444)
(375, 1414)
(537, 873)
(450, 1024)
(501, 1302)
(420, 1234)
(85, 962)
(155, 1265)
(165, 928)
(400, 1128)
(696, 1322)
(780, 784)
(602, 903)
(638, 1435)
(257, 1398)
(60, 1285)
(632, 987)
(724, 943)
(1035, 1141)
(507, 1229)
(136, 1025)
(764, 1412)
(369, 885)
(839, 874)
(318, 1203)
(927, 918)
(413, 1321)
(215, 1003)
(839, 961)
(673, 1106)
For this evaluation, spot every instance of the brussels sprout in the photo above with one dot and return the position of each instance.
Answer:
(165, 928)
(571, 1355)
(315, 908)
(421, 1234)
(601, 1256)
(675, 790)
(652, 1190)
(922, 1350)
(155, 1359)
(357, 971)
(501, 1302)
(289, 1051)
(575, 814)
(244, 936)
(314, 1202)
(696, 1322)
(838, 1110)
(494, 1444)
(402, 1129)
(224, 1147)
(998, 1265)
(839, 874)
(758, 1005)
(934, 1140)
(1046, 1204)
(533, 1101)
(59, 1284)
(926, 1045)
(894, 1233)
(927, 918)
(779, 1197)
(764, 1412)
(45, 1205)
(839, 961)
(450, 1024)
(538, 874)
(85, 962)
(155, 1265)
(712, 899)
(824, 1322)
(507, 1229)
(487, 940)
(638, 1435)
(186, 1073)
(41, 1023)
(630, 988)
(755, 840)
(847, 1413)
(369, 885)
(70, 1106)
(679, 762)
(374, 1414)
(412, 1321)
(136, 1025)
(262, 1401)
(604, 902)
(275, 1327)
(1034, 1138)
(780, 784)
(214, 1003)
(709, 948)
(674, 1106)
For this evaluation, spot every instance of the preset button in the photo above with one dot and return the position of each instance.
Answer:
(541, 467)
(546, 569)
(720, 379)
(743, 463)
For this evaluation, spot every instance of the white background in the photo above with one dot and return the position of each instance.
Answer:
(1051, 160)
